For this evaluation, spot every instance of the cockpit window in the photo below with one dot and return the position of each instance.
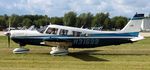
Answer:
(63, 32)
(51, 31)
(42, 29)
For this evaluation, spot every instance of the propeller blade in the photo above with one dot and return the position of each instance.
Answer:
(9, 33)
(8, 41)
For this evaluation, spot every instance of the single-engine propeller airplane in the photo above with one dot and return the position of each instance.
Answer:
(60, 38)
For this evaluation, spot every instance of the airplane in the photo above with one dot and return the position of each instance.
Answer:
(60, 38)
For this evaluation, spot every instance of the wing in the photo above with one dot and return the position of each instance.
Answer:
(56, 41)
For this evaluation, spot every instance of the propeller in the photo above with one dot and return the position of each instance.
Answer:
(8, 34)
(8, 37)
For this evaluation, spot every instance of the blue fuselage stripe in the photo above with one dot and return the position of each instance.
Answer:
(132, 34)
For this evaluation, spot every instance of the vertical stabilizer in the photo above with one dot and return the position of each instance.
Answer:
(135, 24)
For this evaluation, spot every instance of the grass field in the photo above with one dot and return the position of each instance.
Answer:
(133, 56)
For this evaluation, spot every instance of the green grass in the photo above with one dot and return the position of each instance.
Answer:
(132, 56)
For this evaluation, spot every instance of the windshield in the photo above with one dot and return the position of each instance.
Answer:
(42, 29)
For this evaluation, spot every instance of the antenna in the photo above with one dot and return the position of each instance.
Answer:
(82, 25)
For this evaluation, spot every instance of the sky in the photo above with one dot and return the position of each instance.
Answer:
(59, 7)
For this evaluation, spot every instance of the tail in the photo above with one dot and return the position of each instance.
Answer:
(135, 24)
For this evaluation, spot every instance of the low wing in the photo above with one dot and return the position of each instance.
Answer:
(86, 41)
(57, 41)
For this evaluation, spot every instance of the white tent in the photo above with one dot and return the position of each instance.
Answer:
(146, 24)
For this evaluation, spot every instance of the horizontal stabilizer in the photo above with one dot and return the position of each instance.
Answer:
(137, 38)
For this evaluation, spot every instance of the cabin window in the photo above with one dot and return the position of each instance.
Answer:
(77, 34)
(63, 32)
(51, 31)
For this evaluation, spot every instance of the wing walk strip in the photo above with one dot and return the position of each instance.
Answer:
(58, 43)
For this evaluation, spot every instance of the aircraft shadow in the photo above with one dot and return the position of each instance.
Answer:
(123, 54)
(86, 56)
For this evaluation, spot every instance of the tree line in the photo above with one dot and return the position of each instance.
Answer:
(85, 20)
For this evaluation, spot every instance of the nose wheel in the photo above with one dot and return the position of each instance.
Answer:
(20, 50)
(59, 50)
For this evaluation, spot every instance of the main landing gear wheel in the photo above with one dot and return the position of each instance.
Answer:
(20, 50)
(59, 51)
